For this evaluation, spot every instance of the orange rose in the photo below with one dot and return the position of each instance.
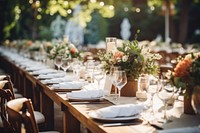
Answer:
(73, 50)
(182, 68)
(118, 54)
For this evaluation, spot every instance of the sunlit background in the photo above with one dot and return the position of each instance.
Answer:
(32, 19)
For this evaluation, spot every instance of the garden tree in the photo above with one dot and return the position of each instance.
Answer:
(8, 17)
(96, 29)
(178, 21)
(31, 18)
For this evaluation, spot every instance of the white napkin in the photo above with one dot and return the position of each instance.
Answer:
(35, 68)
(69, 85)
(124, 110)
(86, 94)
(44, 71)
(67, 78)
(51, 75)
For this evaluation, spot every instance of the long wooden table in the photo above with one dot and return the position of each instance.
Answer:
(74, 114)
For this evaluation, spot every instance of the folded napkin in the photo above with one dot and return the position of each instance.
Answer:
(44, 71)
(69, 85)
(66, 78)
(2, 83)
(182, 130)
(35, 68)
(56, 81)
(124, 110)
(86, 94)
(51, 75)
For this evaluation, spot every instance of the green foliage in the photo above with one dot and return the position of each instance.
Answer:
(96, 29)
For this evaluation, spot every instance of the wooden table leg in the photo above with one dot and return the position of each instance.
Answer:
(70, 123)
(47, 108)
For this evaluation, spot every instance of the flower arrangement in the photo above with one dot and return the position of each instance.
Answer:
(132, 57)
(186, 74)
(35, 46)
(64, 49)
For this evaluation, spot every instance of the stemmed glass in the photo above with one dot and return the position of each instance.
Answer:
(58, 62)
(151, 90)
(112, 77)
(76, 67)
(98, 74)
(120, 80)
(165, 92)
(66, 63)
(90, 64)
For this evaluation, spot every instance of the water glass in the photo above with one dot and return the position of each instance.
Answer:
(165, 92)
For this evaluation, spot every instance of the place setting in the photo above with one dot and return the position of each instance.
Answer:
(84, 95)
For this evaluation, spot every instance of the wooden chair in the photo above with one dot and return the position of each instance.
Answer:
(21, 116)
(40, 119)
(10, 86)
(5, 96)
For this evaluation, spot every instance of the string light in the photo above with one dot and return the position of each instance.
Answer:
(37, 3)
(69, 11)
(93, 1)
(126, 9)
(66, 3)
(111, 7)
(152, 8)
(31, 1)
(39, 9)
(101, 3)
(137, 10)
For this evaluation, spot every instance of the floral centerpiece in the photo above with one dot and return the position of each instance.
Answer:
(186, 76)
(64, 49)
(132, 57)
(135, 59)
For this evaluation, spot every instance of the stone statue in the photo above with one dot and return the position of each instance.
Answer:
(73, 29)
(57, 27)
(125, 29)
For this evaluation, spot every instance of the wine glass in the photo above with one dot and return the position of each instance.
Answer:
(90, 64)
(112, 77)
(58, 62)
(98, 74)
(76, 67)
(66, 63)
(151, 90)
(165, 92)
(120, 80)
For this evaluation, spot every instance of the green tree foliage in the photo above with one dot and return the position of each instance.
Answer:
(96, 29)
